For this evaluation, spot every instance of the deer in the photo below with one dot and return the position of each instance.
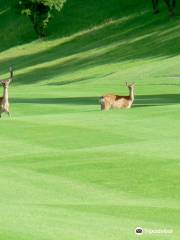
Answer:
(116, 101)
(4, 100)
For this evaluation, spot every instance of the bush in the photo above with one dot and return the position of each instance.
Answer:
(39, 12)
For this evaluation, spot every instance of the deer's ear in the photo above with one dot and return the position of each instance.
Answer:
(1, 82)
(10, 80)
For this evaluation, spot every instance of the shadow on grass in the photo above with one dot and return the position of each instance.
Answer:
(74, 81)
(140, 101)
(69, 101)
(15, 28)
(139, 36)
(77, 80)
(61, 83)
(156, 100)
(92, 13)
(76, 16)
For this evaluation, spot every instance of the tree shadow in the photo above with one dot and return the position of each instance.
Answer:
(77, 15)
(77, 80)
(124, 39)
(156, 100)
(68, 101)
(76, 44)
(140, 100)
(15, 29)
(62, 83)
(139, 35)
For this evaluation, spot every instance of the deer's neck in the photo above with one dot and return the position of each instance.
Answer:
(5, 94)
(131, 94)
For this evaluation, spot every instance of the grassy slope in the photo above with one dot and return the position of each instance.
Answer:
(69, 171)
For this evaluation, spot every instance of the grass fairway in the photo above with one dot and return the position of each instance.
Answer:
(69, 171)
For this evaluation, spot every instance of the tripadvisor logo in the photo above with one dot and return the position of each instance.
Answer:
(139, 231)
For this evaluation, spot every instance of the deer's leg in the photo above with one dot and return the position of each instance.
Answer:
(102, 106)
(9, 114)
(107, 106)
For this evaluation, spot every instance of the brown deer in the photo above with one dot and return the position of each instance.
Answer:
(116, 101)
(4, 100)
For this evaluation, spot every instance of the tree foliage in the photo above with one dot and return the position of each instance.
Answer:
(39, 12)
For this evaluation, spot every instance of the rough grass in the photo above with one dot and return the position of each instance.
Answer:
(69, 171)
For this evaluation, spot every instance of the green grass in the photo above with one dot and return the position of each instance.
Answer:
(67, 170)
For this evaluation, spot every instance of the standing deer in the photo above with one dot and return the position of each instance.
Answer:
(4, 100)
(116, 101)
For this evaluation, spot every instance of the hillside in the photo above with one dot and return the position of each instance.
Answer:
(68, 170)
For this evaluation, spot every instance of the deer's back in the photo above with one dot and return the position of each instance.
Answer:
(117, 101)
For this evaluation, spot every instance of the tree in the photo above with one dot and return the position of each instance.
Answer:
(39, 12)
(171, 4)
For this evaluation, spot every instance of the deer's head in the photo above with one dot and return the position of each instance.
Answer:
(5, 83)
(130, 86)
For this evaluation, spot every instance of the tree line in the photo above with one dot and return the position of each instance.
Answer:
(40, 11)
(171, 5)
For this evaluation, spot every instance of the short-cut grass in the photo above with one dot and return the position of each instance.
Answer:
(67, 170)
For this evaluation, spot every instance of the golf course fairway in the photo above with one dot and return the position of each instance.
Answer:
(69, 171)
